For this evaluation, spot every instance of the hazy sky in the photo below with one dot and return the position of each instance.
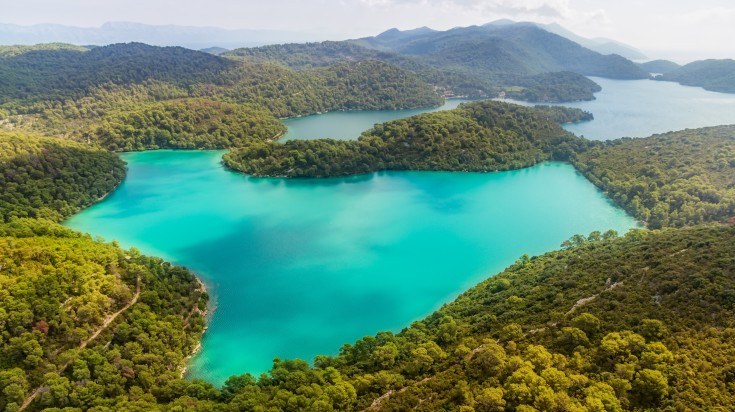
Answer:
(671, 28)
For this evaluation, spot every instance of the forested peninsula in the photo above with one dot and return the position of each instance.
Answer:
(640, 321)
(712, 74)
(480, 136)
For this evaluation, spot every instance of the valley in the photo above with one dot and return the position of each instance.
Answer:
(609, 258)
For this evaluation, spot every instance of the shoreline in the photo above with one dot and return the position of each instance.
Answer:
(202, 289)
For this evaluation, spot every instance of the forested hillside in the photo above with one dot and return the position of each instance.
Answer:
(644, 321)
(543, 87)
(62, 73)
(715, 75)
(61, 91)
(514, 48)
(86, 324)
(185, 124)
(674, 179)
(52, 178)
(553, 87)
(481, 136)
(523, 60)
(659, 66)
(640, 322)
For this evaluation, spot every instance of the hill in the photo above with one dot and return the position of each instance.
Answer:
(517, 48)
(471, 61)
(185, 124)
(158, 35)
(214, 50)
(604, 324)
(63, 92)
(673, 179)
(10, 51)
(714, 75)
(481, 136)
(61, 73)
(85, 324)
(599, 44)
(51, 178)
(608, 324)
(659, 66)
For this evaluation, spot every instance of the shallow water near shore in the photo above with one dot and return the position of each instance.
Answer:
(299, 267)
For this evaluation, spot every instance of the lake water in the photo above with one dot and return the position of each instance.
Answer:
(299, 267)
(624, 108)
(640, 108)
(348, 125)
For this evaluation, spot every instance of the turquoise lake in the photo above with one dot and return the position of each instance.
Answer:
(296, 268)
(299, 267)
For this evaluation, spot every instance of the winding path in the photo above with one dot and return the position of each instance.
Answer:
(108, 320)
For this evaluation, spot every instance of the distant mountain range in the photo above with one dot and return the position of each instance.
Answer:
(503, 47)
(518, 60)
(124, 32)
(207, 37)
(714, 75)
(599, 44)
(659, 66)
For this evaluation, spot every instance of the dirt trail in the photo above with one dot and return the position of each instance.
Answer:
(86, 342)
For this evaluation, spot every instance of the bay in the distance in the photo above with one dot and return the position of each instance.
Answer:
(624, 108)
(641, 108)
(347, 125)
(299, 267)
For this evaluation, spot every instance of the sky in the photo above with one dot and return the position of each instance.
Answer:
(676, 29)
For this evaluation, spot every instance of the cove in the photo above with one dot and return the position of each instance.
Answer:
(640, 108)
(624, 108)
(343, 125)
(296, 268)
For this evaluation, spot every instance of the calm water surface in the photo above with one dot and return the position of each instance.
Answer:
(350, 124)
(299, 267)
(640, 108)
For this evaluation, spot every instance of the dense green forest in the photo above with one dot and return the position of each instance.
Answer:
(480, 136)
(553, 87)
(549, 84)
(368, 85)
(52, 178)
(607, 324)
(673, 179)
(86, 324)
(564, 115)
(61, 73)
(59, 90)
(715, 75)
(186, 124)
(10, 51)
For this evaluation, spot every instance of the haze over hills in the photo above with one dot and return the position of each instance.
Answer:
(599, 44)
(513, 48)
(642, 322)
(205, 37)
(168, 35)
(659, 66)
(715, 75)
(521, 60)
